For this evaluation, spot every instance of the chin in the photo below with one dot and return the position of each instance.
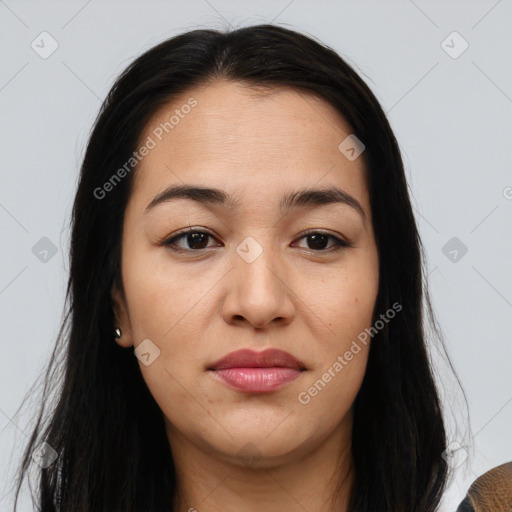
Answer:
(255, 448)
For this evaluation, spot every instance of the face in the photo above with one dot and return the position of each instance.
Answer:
(253, 272)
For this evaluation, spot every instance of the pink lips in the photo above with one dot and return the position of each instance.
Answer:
(257, 372)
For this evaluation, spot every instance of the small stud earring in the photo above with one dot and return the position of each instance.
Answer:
(117, 333)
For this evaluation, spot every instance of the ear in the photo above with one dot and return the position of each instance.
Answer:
(122, 319)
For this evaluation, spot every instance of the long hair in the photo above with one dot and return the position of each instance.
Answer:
(105, 426)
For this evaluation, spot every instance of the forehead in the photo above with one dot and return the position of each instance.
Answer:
(231, 136)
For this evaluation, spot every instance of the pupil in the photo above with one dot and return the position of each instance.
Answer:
(196, 237)
(316, 239)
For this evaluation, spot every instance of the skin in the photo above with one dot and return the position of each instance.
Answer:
(300, 297)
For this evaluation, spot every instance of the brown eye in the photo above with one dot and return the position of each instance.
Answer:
(317, 241)
(196, 241)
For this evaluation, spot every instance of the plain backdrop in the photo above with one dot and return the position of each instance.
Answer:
(441, 70)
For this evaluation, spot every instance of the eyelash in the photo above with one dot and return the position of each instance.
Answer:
(169, 243)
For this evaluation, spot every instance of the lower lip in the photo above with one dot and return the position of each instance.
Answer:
(257, 380)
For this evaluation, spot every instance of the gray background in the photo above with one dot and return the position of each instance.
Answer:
(451, 113)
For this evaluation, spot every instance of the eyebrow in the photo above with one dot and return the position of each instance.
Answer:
(305, 198)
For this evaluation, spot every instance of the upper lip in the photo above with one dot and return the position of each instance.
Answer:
(247, 358)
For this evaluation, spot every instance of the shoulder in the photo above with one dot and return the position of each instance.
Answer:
(490, 492)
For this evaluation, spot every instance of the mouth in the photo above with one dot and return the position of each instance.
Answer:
(257, 372)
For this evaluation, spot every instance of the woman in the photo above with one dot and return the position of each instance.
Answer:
(269, 370)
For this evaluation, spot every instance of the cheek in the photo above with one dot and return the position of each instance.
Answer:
(344, 298)
(162, 312)
(164, 306)
(341, 357)
(162, 298)
(325, 400)
(345, 306)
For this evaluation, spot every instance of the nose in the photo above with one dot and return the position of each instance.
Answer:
(259, 292)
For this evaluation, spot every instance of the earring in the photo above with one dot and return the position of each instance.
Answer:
(117, 333)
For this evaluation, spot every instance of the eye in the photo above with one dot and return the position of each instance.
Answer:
(319, 238)
(195, 238)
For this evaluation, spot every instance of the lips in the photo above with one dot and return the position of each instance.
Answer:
(252, 372)
(270, 358)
